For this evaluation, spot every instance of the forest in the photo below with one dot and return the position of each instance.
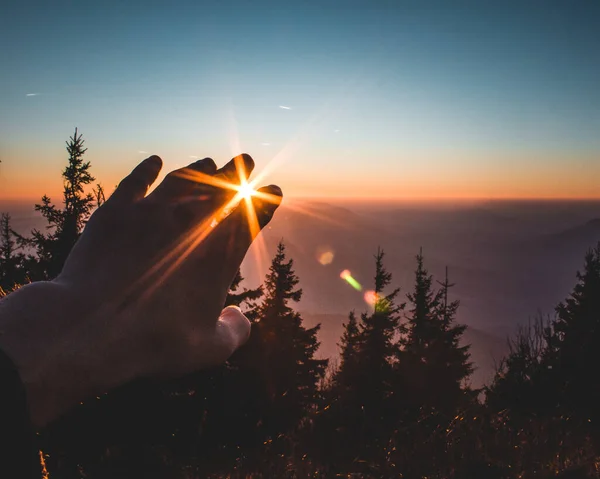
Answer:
(396, 403)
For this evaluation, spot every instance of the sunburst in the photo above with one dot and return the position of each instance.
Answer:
(245, 191)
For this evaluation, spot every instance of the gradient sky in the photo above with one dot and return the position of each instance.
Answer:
(385, 98)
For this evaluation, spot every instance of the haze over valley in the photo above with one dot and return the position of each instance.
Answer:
(510, 260)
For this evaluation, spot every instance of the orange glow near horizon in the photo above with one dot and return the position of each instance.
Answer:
(413, 177)
(31, 187)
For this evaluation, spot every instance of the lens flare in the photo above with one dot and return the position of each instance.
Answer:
(371, 297)
(326, 258)
(347, 276)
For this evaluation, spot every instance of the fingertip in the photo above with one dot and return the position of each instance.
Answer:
(150, 167)
(240, 166)
(155, 161)
(248, 162)
(135, 185)
(206, 165)
(272, 190)
(267, 203)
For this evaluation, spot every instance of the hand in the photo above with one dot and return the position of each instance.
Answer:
(142, 290)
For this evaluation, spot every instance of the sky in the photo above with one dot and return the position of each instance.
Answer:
(355, 99)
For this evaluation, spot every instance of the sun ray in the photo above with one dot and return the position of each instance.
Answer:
(202, 178)
(163, 268)
(244, 191)
(314, 213)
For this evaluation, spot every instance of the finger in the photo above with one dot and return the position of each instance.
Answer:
(185, 181)
(233, 327)
(234, 235)
(135, 186)
(236, 170)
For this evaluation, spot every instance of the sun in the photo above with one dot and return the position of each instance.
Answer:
(246, 191)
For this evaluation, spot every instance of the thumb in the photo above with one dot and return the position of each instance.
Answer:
(234, 327)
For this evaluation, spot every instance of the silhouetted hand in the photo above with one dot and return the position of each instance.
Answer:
(142, 290)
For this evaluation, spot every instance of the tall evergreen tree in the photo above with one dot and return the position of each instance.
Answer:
(349, 352)
(65, 224)
(377, 338)
(421, 320)
(360, 411)
(435, 363)
(450, 360)
(11, 260)
(573, 355)
(377, 382)
(288, 365)
(431, 369)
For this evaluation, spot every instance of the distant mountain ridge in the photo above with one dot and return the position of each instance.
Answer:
(582, 233)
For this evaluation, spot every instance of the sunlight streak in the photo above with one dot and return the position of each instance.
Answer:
(244, 192)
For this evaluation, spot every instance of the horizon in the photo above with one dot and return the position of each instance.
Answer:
(384, 201)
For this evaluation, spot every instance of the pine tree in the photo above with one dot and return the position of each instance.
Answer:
(288, 366)
(349, 351)
(360, 410)
(451, 362)
(65, 225)
(377, 336)
(435, 364)
(11, 261)
(378, 349)
(431, 371)
(573, 355)
(425, 304)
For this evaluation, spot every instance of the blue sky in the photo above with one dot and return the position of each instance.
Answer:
(417, 99)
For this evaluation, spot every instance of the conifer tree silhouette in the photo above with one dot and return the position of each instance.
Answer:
(64, 224)
(574, 353)
(289, 368)
(435, 363)
(12, 271)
